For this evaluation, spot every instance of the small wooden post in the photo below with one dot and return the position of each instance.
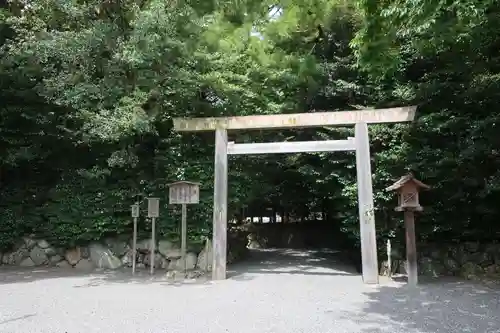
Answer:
(411, 248)
(365, 205)
(407, 188)
(153, 213)
(153, 246)
(184, 236)
(220, 206)
(135, 215)
(389, 258)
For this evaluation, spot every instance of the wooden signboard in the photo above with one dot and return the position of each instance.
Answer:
(184, 192)
(153, 207)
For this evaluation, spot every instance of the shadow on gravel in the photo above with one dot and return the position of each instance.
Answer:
(29, 274)
(140, 278)
(435, 306)
(82, 278)
(269, 261)
(291, 262)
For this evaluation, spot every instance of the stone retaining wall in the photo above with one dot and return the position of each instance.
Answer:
(116, 253)
(469, 260)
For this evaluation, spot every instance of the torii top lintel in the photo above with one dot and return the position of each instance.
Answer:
(312, 119)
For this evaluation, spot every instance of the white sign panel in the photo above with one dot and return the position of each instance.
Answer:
(153, 207)
(135, 210)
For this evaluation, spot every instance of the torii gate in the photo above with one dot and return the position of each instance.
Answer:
(360, 143)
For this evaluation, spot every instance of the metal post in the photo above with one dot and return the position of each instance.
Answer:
(389, 258)
(184, 236)
(153, 213)
(153, 232)
(134, 246)
(135, 215)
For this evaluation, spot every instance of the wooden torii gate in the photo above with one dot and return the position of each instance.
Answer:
(360, 143)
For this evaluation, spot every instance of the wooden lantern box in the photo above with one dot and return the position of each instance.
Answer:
(407, 188)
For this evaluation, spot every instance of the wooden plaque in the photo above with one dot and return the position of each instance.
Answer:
(153, 207)
(135, 210)
(184, 193)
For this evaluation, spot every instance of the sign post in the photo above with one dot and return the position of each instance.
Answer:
(153, 213)
(135, 216)
(184, 192)
(184, 237)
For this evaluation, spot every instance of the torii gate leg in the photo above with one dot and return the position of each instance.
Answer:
(220, 206)
(365, 203)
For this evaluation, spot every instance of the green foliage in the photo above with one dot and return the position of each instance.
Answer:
(89, 90)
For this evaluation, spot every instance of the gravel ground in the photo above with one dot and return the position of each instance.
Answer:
(278, 291)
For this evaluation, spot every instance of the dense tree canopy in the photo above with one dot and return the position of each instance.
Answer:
(89, 89)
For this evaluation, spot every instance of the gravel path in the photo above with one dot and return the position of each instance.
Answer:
(278, 291)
